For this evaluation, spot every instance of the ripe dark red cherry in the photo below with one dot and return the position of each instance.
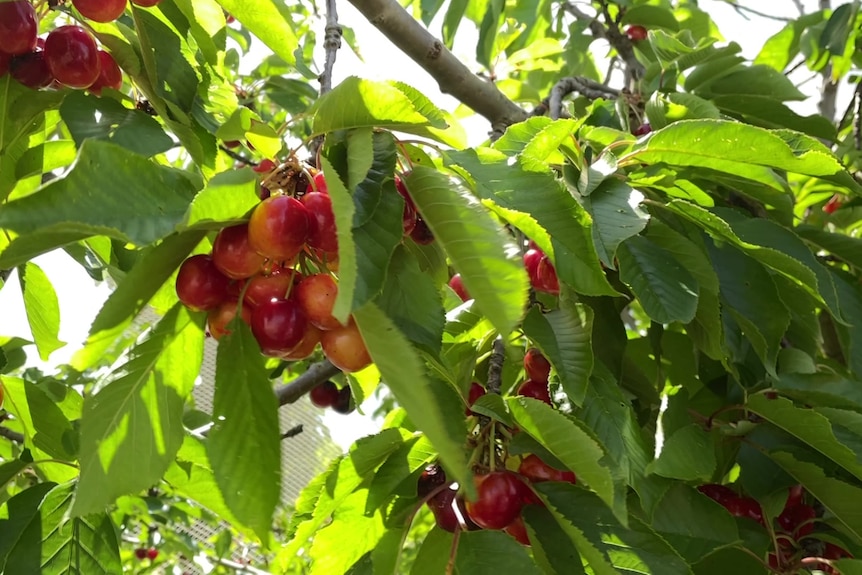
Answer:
(265, 166)
(218, 318)
(636, 33)
(110, 75)
(408, 219)
(518, 530)
(402, 189)
(643, 129)
(72, 56)
(324, 395)
(141, 553)
(536, 470)
(316, 296)
(476, 391)
(536, 365)
(152, 553)
(275, 285)
(200, 285)
(547, 277)
(319, 183)
(421, 233)
(322, 233)
(278, 326)
(457, 286)
(145, 3)
(499, 500)
(278, 227)
(31, 69)
(532, 257)
(794, 496)
(18, 27)
(233, 254)
(344, 402)
(345, 348)
(798, 520)
(718, 493)
(535, 389)
(100, 10)
(745, 507)
(431, 478)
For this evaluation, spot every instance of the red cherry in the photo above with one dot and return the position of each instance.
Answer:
(499, 500)
(110, 75)
(275, 285)
(345, 348)
(232, 144)
(100, 10)
(536, 470)
(547, 277)
(233, 254)
(306, 345)
(518, 530)
(535, 389)
(833, 204)
(278, 227)
(536, 365)
(141, 553)
(319, 183)
(476, 391)
(643, 129)
(421, 233)
(72, 56)
(431, 478)
(402, 189)
(31, 70)
(745, 507)
(832, 551)
(798, 520)
(200, 285)
(794, 496)
(636, 33)
(532, 257)
(408, 219)
(316, 296)
(718, 493)
(442, 506)
(344, 403)
(457, 286)
(18, 27)
(265, 166)
(324, 395)
(278, 326)
(145, 3)
(218, 318)
(152, 553)
(321, 222)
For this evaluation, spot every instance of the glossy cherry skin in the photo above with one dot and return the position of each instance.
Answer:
(409, 217)
(499, 500)
(265, 166)
(5, 60)
(476, 391)
(306, 345)
(402, 190)
(547, 277)
(32, 70)
(200, 285)
(233, 254)
(432, 477)
(642, 130)
(536, 470)
(798, 520)
(345, 348)
(718, 493)
(72, 56)
(278, 326)
(152, 553)
(18, 27)
(421, 233)
(636, 33)
(324, 395)
(275, 285)
(518, 530)
(794, 496)
(110, 75)
(833, 204)
(535, 389)
(745, 507)
(532, 257)
(141, 553)
(457, 286)
(219, 317)
(278, 227)
(145, 3)
(536, 365)
(344, 403)
(319, 183)
(316, 295)
(100, 10)
(322, 233)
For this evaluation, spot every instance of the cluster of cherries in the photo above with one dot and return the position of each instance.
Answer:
(795, 523)
(327, 395)
(146, 553)
(540, 270)
(68, 57)
(501, 495)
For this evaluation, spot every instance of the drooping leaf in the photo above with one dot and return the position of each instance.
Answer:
(552, 548)
(488, 552)
(22, 511)
(227, 199)
(614, 207)
(42, 307)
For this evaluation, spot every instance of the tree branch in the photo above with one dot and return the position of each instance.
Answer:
(589, 88)
(495, 365)
(11, 435)
(292, 432)
(451, 75)
(331, 43)
(740, 9)
(316, 374)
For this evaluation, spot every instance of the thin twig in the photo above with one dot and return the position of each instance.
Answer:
(495, 365)
(799, 6)
(740, 9)
(236, 156)
(589, 88)
(292, 432)
(316, 374)
(11, 435)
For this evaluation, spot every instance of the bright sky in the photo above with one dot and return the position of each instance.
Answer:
(80, 297)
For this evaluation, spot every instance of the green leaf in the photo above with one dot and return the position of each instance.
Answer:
(244, 443)
(489, 552)
(765, 112)
(86, 203)
(42, 307)
(616, 213)
(413, 455)
(433, 554)
(651, 17)
(403, 372)
(52, 431)
(476, 245)
(566, 441)
(344, 210)
(665, 289)
(564, 336)
(227, 199)
(821, 389)
(692, 256)
(19, 513)
(843, 246)
(45, 158)
(754, 80)
(687, 454)
(271, 23)
(132, 428)
(54, 543)
(552, 548)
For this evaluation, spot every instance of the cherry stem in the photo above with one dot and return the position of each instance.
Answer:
(720, 411)
(453, 551)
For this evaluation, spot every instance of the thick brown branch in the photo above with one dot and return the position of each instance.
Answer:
(589, 88)
(316, 374)
(11, 435)
(451, 75)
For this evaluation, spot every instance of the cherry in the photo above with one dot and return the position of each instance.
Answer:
(718, 493)
(535, 389)
(833, 204)
(31, 70)
(547, 277)
(532, 257)
(110, 75)
(408, 219)
(278, 326)
(145, 3)
(141, 553)
(794, 496)
(536, 365)
(278, 227)
(344, 402)
(421, 233)
(798, 520)
(200, 285)
(442, 506)
(643, 129)
(264, 193)
(316, 296)
(457, 286)
(745, 507)
(499, 500)
(233, 254)
(319, 183)
(324, 395)
(476, 391)
(402, 190)
(832, 551)
(232, 144)
(72, 56)
(152, 553)
(518, 530)
(305, 346)
(219, 317)
(345, 348)
(321, 222)
(275, 285)
(265, 166)
(636, 33)
(430, 479)
(536, 470)
(18, 27)
(100, 10)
